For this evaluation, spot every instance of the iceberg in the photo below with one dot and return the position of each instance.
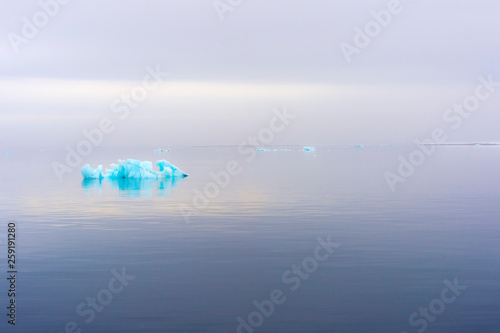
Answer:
(134, 169)
(309, 148)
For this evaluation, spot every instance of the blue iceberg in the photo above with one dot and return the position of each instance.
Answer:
(309, 148)
(134, 169)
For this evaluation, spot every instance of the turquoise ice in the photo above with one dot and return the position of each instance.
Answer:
(134, 169)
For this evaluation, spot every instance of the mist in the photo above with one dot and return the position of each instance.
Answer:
(225, 77)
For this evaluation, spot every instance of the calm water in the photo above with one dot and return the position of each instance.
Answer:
(396, 249)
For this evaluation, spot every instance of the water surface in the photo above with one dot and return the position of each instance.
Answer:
(200, 274)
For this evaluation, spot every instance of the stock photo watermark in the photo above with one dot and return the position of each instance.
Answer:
(292, 279)
(95, 136)
(247, 148)
(224, 6)
(363, 37)
(103, 298)
(30, 28)
(454, 117)
(11, 272)
(420, 319)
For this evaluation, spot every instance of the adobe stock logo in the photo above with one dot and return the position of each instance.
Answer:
(293, 279)
(420, 320)
(371, 30)
(224, 6)
(96, 135)
(94, 305)
(221, 179)
(39, 20)
(454, 117)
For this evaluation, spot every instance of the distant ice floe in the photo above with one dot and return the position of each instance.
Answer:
(134, 169)
(359, 146)
(309, 148)
(276, 149)
(462, 144)
(161, 150)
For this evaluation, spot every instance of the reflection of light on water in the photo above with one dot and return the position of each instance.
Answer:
(131, 187)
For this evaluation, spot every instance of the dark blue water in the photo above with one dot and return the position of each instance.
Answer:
(202, 272)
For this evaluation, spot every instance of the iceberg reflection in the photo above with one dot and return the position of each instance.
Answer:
(131, 187)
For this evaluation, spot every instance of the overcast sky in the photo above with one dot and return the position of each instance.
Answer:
(226, 76)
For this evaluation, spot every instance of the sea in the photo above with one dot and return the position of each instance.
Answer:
(345, 238)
